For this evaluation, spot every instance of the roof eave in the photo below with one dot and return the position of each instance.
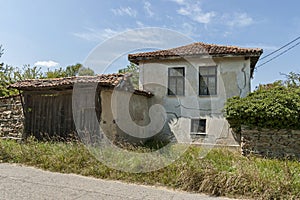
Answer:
(138, 59)
(254, 57)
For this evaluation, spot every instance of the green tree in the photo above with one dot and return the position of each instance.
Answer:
(133, 69)
(86, 71)
(71, 70)
(6, 78)
(10, 74)
(28, 72)
(56, 73)
(292, 79)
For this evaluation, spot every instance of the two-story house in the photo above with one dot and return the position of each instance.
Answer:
(192, 83)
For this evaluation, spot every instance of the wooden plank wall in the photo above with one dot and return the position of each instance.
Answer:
(49, 114)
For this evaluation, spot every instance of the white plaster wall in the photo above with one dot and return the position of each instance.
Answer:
(233, 79)
(125, 115)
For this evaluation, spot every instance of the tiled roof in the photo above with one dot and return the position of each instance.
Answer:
(200, 49)
(110, 79)
(68, 82)
(197, 48)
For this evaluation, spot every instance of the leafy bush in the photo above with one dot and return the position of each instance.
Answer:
(270, 106)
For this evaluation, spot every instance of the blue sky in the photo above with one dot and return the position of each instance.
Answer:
(63, 32)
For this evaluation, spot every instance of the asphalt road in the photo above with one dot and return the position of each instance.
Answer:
(20, 182)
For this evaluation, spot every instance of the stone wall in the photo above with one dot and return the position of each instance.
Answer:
(11, 117)
(271, 143)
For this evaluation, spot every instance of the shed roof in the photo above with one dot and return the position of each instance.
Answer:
(199, 49)
(111, 80)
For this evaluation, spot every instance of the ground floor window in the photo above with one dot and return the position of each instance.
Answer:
(198, 126)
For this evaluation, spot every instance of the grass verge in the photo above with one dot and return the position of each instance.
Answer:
(222, 172)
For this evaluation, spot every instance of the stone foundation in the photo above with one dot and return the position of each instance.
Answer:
(11, 117)
(271, 143)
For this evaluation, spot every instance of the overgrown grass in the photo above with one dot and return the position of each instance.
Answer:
(222, 172)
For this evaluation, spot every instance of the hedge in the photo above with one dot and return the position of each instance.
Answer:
(273, 106)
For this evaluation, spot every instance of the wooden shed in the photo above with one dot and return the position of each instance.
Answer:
(52, 107)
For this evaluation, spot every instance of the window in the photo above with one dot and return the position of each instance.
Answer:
(198, 126)
(208, 80)
(176, 81)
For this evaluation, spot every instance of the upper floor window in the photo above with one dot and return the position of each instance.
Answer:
(208, 80)
(176, 81)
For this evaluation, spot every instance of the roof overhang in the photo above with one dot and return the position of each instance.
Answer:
(253, 58)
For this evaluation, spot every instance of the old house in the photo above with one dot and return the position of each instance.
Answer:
(192, 83)
(187, 89)
(58, 108)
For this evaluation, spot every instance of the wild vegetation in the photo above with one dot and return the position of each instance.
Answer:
(133, 69)
(274, 105)
(222, 172)
(10, 74)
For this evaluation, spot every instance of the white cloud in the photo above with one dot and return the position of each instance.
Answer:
(48, 63)
(124, 11)
(180, 2)
(194, 11)
(95, 35)
(189, 29)
(238, 20)
(140, 24)
(147, 7)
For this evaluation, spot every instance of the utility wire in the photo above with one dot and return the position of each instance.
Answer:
(280, 48)
(278, 54)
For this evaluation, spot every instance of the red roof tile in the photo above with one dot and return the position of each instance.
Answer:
(68, 82)
(197, 48)
(109, 79)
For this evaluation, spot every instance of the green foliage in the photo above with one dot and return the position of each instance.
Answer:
(71, 70)
(6, 77)
(222, 172)
(292, 79)
(28, 72)
(86, 71)
(10, 74)
(133, 69)
(270, 106)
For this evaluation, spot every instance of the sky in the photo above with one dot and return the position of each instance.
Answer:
(58, 33)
